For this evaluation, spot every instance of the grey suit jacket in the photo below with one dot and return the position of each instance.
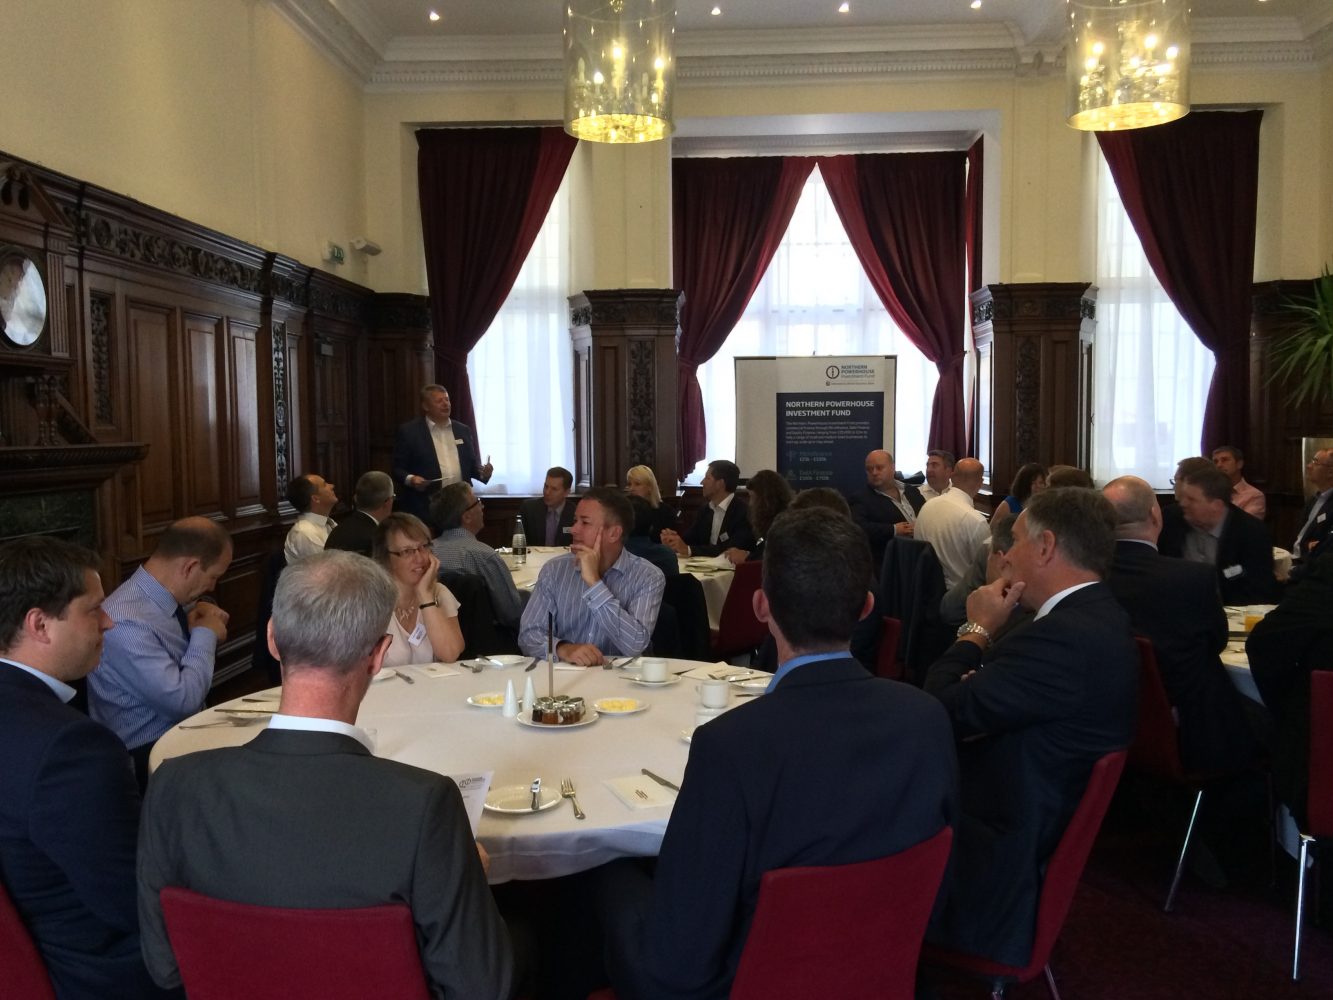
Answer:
(313, 820)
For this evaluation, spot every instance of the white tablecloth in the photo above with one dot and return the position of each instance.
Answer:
(429, 724)
(1233, 657)
(715, 579)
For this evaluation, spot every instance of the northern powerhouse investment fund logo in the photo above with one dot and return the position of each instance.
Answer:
(851, 374)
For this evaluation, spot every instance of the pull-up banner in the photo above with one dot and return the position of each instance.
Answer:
(814, 419)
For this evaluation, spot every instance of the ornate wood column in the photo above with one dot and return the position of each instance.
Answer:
(625, 387)
(1034, 376)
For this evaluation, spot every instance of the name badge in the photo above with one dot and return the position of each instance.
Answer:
(419, 633)
(722, 537)
(458, 440)
(1231, 572)
(1320, 519)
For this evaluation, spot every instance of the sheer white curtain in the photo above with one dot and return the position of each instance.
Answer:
(521, 368)
(1151, 371)
(815, 300)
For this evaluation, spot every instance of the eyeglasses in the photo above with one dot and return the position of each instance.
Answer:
(474, 503)
(1315, 461)
(414, 550)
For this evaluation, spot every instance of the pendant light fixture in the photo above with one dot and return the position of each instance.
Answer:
(1127, 63)
(620, 69)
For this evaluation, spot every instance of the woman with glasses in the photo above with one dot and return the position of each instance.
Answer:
(424, 624)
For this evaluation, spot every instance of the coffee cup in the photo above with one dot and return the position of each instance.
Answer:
(714, 693)
(652, 668)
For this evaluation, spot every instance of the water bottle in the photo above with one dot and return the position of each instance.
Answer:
(520, 545)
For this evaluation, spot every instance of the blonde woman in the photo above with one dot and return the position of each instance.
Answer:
(424, 625)
(640, 482)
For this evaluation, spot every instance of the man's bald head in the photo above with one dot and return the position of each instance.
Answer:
(968, 475)
(879, 469)
(1137, 513)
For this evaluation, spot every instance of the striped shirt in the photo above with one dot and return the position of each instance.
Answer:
(616, 614)
(150, 676)
(459, 550)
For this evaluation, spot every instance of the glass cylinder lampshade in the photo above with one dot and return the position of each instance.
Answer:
(1127, 63)
(620, 69)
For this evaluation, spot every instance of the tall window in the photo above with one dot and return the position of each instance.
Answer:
(520, 370)
(1152, 373)
(815, 300)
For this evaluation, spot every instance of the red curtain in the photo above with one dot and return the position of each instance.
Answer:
(972, 196)
(905, 214)
(1190, 188)
(728, 217)
(484, 195)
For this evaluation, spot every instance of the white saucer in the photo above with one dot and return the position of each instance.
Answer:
(502, 660)
(638, 679)
(385, 673)
(686, 736)
(517, 799)
(474, 701)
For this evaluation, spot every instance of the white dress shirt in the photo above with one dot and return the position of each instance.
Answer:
(307, 535)
(446, 451)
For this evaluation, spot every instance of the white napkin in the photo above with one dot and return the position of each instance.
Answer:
(436, 670)
(639, 791)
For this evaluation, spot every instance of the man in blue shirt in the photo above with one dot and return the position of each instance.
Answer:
(69, 811)
(767, 783)
(157, 666)
(604, 599)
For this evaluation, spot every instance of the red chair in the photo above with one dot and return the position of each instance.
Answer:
(24, 973)
(846, 931)
(1057, 889)
(738, 630)
(1156, 749)
(227, 950)
(1319, 808)
(886, 657)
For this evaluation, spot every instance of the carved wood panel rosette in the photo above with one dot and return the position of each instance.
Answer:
(1027, 400)
(143, 246)
(281, 423)
(99, 313)
(642, 403)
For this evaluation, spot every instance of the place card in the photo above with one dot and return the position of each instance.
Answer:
(474, 788)
(436, 670)
(638, 791)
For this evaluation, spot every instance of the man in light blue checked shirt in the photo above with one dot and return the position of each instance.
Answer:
(157, 663)
(604, 599)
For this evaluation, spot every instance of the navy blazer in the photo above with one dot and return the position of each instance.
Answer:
(1046, 701)
(1314, 541)
(1175, 604)
(833, 767)
(878, 515)
(1244, 554)
(355, 532)
(414, 455)
(532, 515)
(736, 531)
(69, 818)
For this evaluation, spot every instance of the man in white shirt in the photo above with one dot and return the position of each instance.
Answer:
(1230, 460)
(315, 499)
(723, 524)
(953, 527)
(433, 451)
(939, 470)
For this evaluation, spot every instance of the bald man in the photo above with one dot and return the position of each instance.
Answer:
(884, 507)
(952, 525)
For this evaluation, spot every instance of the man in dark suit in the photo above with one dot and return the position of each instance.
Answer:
(306, 816)
(1175, 604)
(1205, 526)
(723, 524)
(885, 507)
(766, 785)
(546, 521)
(433, 451)
(374, 502)
(69, 808)
(1033, 713)
(1317, 519)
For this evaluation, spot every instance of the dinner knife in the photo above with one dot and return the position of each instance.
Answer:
(661, 780)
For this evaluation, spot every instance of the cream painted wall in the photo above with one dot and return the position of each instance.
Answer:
(1326, 181)
(216, 111)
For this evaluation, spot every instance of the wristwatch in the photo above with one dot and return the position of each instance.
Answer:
(436, 604)
(972, 628)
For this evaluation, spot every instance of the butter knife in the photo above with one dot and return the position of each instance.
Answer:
(661, 780)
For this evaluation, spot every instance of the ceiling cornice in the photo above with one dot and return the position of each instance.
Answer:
(345, 32)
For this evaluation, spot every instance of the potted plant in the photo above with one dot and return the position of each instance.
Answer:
(1303, 357)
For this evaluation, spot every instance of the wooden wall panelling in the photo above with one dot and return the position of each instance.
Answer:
(1032, 377)
(244, 490)
(336, 325)
(400, 359)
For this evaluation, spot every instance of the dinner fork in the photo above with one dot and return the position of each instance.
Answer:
(567, 791)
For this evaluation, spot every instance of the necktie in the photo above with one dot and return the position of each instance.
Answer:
(552, 526)
(184, 621)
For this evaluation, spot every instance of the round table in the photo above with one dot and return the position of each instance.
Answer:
(428, 723)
